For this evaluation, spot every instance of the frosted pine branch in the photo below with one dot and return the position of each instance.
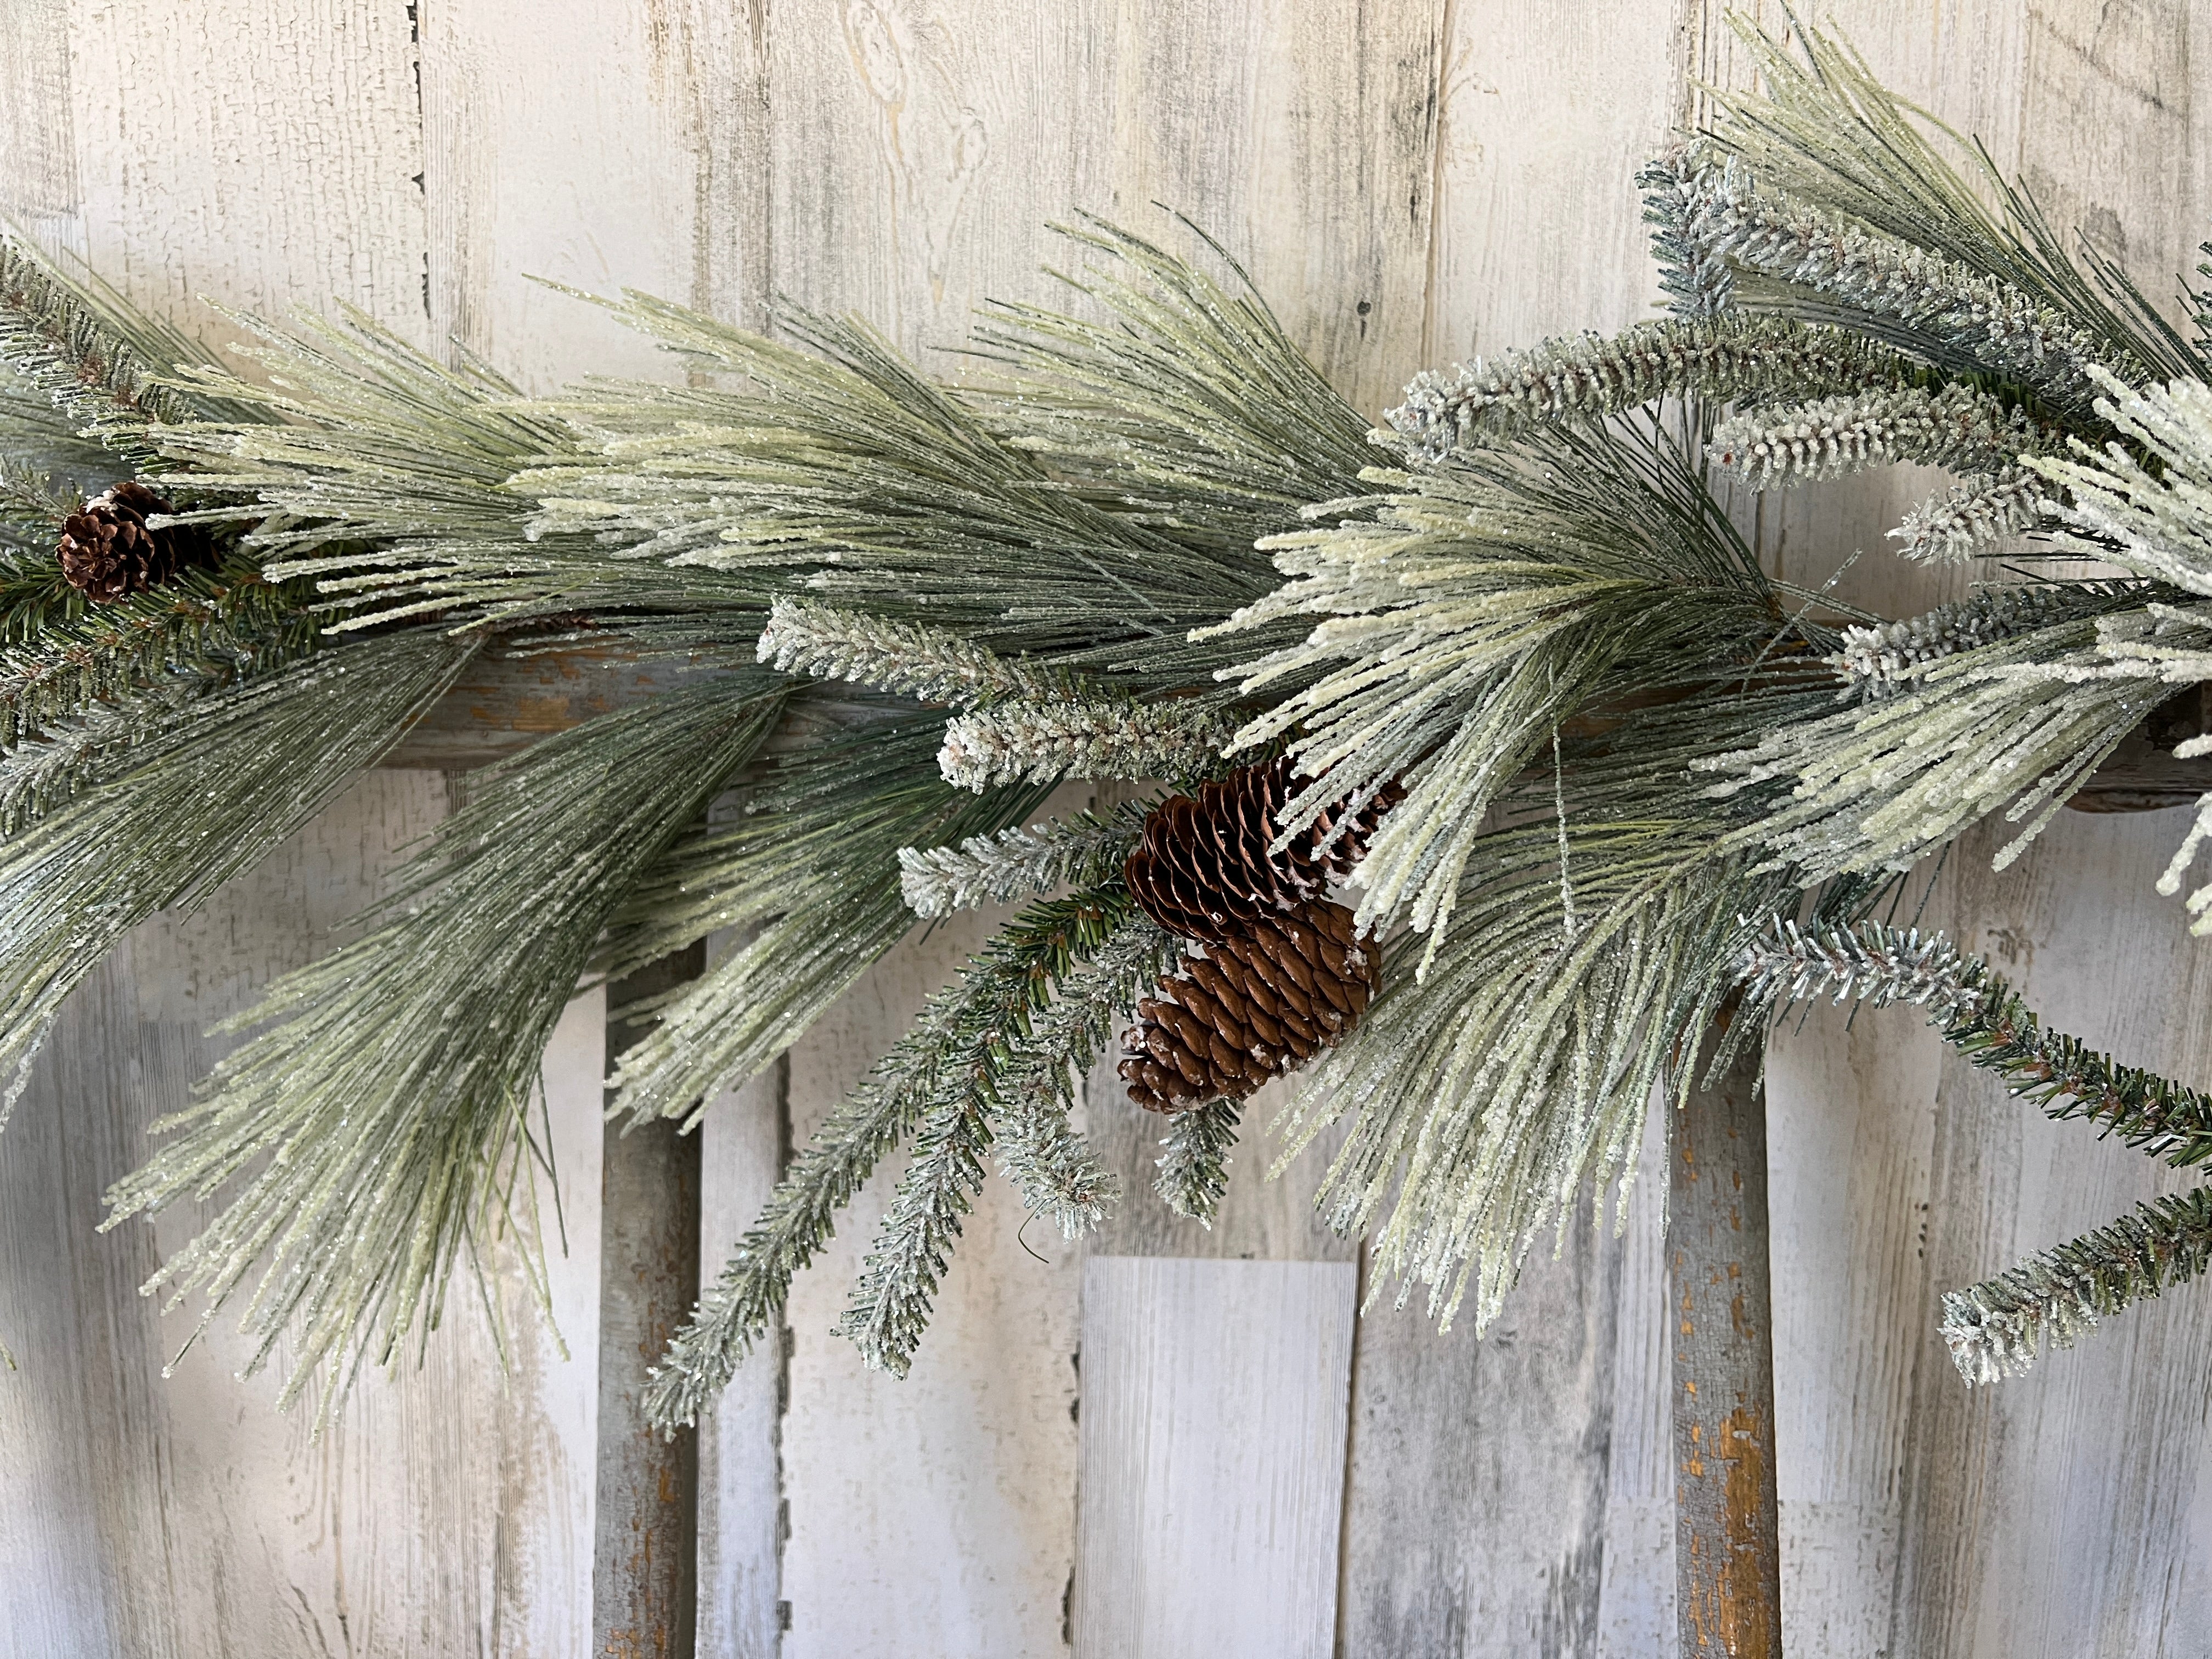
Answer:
(1962, 523)
(1890, 656)
(1016, 863)
(2156, 524)
(1959, 428)
(1997, 1328)
(930, 663)
(1057, 1174)
(1195, 1161)
(1998, 324)
(746, 1299)
(1717, 357)
(1982, 1017)
(1701, 285)
(1868, 963)
(59, 342)
(1036, 742)
(944, 1077)
(891, 1304)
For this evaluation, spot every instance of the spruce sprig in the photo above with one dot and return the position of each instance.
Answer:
(1013, 980)
(1996, 1328)
(1975, 1010)
(947, 1071)
(1083, 851)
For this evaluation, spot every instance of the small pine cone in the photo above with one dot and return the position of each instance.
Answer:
(1250, 1008)
(1202, 868)
(108, 552)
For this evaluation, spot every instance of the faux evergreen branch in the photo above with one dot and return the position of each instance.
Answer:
(212, 792)
(1040, 742)
(817, 876)
(1921, 294)
(1177, 399)
(1959, 428)
(1017, 863)
(1720, 358)
(1057, 1174)
(1013, 979)
(1868, 963)
(1458, 622)
(1194, 1160)
(932, 665)
(1977, 1013)
(2018, 728)
(384, 475)
(1698, 285)
(66, 657)
(1823, 131)
(942, 1077)
(2154, 519)
(1967, 520)
(844, 466)
(58, 336)
(393, 1079)
(1997, 1328)
(1885, 658)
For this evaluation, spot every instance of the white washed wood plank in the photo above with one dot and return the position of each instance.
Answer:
(254, 156)
(746, 1140)
(1213, 1425)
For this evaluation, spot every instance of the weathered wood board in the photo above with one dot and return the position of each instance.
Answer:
(1411, 181)
(1213, 1428)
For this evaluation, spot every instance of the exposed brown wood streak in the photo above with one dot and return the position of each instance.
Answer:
(1728, 1560)
(645, 1554)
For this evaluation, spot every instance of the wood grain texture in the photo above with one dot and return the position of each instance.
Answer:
(1213, 1423)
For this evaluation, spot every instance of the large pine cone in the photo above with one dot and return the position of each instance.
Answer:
(1253, 1007)
(1203, 870)
(108, 552)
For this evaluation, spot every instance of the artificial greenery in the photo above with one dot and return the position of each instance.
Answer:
(1145, 540)
(1996, 1328)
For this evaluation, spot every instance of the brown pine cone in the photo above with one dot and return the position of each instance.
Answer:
(1202, 868)
(1251, 1008)
(108, 552)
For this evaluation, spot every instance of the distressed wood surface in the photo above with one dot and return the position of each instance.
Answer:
(1214, 1400)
